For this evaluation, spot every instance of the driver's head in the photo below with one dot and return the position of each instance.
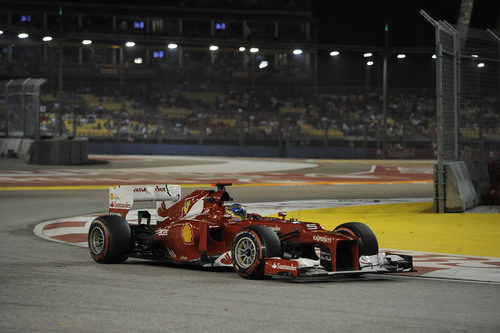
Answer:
(236, 211)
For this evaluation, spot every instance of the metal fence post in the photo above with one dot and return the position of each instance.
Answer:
(456, 86)
(160, 126)
(7, 107)
(439, 105)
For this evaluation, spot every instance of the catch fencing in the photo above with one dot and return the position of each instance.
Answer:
(467, 98)
(19, 108)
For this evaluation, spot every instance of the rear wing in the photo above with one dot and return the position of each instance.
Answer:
(122, 197)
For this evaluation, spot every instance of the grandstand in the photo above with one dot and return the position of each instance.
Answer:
(222, 73)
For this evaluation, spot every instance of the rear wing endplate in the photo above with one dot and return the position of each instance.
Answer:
(122, 197)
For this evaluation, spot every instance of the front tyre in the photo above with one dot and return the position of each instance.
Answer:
(368, 244)
(251, 246)
(109, 239)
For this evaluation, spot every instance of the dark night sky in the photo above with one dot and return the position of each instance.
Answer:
(362, 22)
(354, 21)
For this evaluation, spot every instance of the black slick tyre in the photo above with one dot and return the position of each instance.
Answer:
(109, 239)
(368, 244)
(251, 246)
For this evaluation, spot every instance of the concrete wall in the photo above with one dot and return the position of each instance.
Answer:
(60, 151)
(329, 152)
(467, 184)
(10, 146)
(20, 148)
(223, 150)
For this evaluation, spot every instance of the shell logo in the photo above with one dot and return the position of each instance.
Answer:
(187, 205)
(187, 233)
(111, 196)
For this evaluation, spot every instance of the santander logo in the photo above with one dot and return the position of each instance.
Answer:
(277, 265)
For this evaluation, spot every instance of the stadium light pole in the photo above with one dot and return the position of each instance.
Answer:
(368, 66)
(315, 71)
(59, 125)
(384, 90)
(252, 69)
(121, 70)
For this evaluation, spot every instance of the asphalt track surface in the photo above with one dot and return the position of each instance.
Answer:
(47, 286)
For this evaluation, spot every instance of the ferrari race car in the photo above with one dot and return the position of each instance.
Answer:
(205, 228)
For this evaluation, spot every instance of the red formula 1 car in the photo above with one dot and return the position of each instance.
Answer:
(206, 229)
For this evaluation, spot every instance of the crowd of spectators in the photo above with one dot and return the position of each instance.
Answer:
(146, 112)
(233, 112)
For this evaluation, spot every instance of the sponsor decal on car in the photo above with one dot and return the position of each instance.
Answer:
(277, 265)
(161, 232)
(171, 253)
(253, 267)
(325, 256)
(323, 239)
(311, 226)
(119, 204)
(187, 233)
(160, 189)
(224, 260)
(187, 205)
(140, 189)
(280, 266)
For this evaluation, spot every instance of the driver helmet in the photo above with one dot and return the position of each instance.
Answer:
(237, 211)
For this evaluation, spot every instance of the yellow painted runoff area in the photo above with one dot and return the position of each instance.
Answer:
(414, 226)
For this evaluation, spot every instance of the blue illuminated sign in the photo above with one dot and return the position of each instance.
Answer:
(158, 54)
(220, 26)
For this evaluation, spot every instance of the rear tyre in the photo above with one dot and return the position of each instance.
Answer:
(251, 246)
(368, 244)
(109, 239)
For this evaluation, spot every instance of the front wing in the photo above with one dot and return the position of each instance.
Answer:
(305, 268)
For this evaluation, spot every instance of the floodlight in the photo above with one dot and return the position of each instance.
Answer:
(334, 53)
(367, 55)
(130, 44)
(263, 64)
